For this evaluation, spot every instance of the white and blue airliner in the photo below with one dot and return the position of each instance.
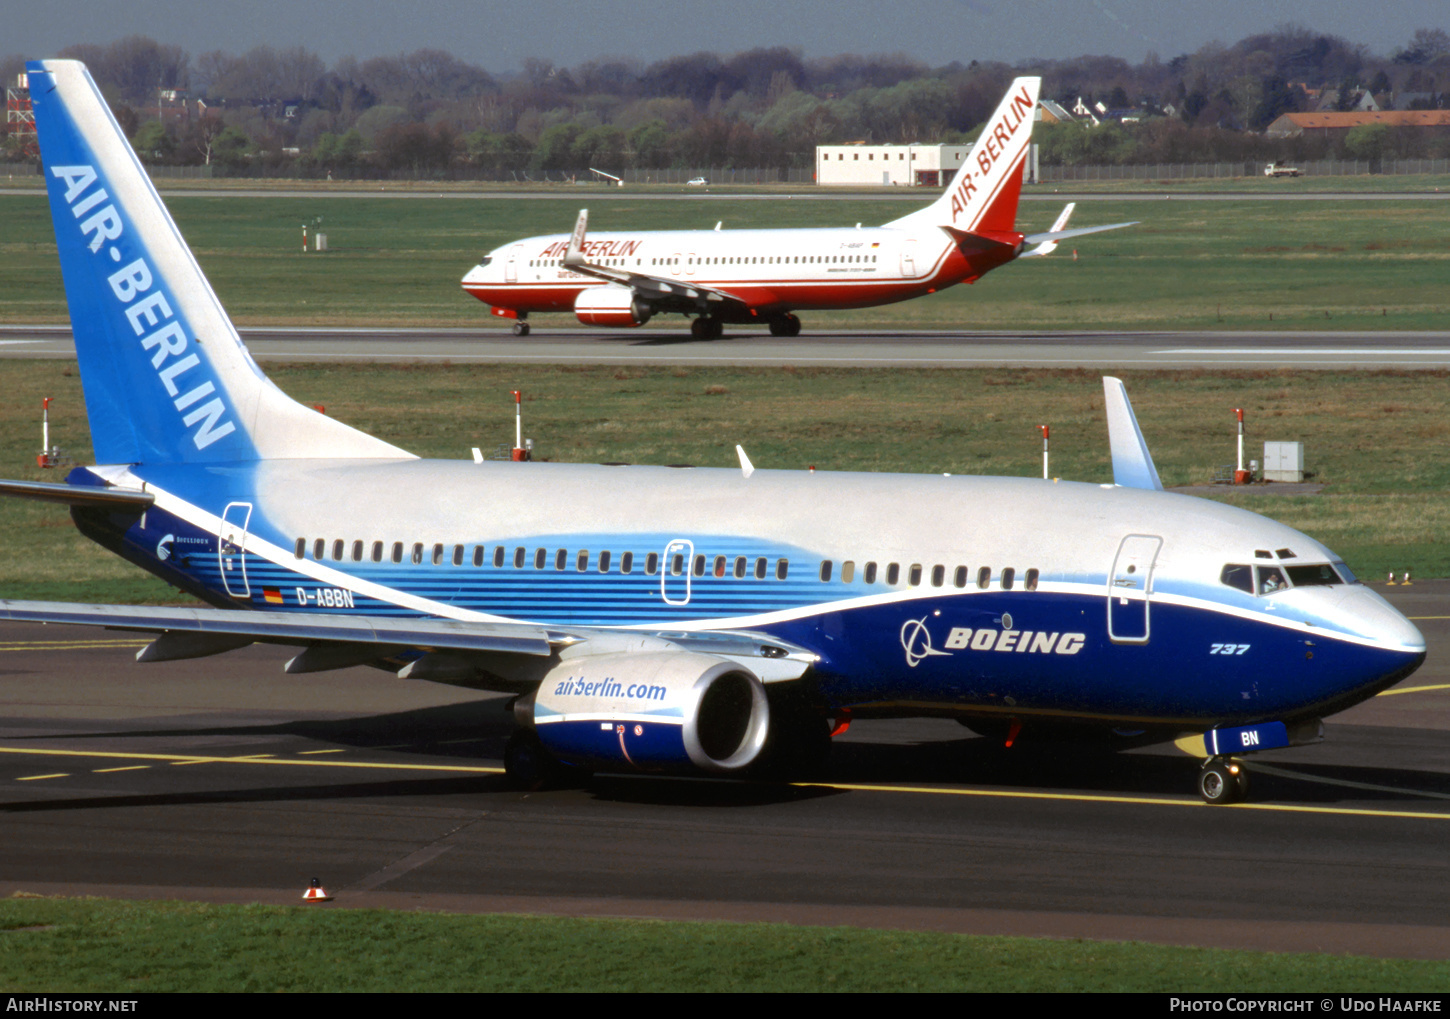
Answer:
(661, 618)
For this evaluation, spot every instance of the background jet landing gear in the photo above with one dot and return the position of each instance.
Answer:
(785, 325)
(707, 327)
(521, 327)
(1223, 780)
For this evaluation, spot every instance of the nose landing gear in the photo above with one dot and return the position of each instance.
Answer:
(785, 325)
(1223, 780)
(707, 327)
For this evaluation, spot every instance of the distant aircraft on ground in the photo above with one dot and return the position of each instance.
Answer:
(766, 276)
(657, 618)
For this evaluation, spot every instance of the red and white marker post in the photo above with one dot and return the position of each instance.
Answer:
(519, 452)
(1044, 451)
(1241, 476)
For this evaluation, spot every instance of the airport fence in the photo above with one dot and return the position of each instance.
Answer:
(1248, 168)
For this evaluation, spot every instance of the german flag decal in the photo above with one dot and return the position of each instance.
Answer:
(272, 596)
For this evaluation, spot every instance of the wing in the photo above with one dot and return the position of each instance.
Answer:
(493, 656)
(664, 294)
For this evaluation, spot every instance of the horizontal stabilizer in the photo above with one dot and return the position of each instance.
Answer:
(1132, 463)
(79, 495)
(1062, 235)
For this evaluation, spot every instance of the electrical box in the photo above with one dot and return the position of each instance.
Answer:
(1283, 461)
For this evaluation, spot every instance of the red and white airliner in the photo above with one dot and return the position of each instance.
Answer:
(745, 276)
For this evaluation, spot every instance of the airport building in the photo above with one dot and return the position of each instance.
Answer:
(884, 165)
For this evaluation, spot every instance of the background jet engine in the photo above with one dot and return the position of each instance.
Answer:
(611, 305)
(658, 711)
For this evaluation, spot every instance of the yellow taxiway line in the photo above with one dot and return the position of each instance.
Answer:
(1150, 801)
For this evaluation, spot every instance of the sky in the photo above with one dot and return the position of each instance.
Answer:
(500, 36)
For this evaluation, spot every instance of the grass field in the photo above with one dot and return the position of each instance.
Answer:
(1339, 265)
(96, 945)
(1376, 440)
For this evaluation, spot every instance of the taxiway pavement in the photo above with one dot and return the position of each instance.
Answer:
(855, 348)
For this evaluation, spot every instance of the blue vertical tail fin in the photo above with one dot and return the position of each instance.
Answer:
(166, 377)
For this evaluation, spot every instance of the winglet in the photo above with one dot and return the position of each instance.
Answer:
(746, 467)
(1132, 463)
(575, 254)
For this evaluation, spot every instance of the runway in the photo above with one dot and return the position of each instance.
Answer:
(223, 779)
(856, 348)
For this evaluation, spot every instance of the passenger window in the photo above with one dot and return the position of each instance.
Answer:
(1238, 576)
(561, 558)
(477, 555)
(603, 562)
(699, 566)
(457, 555)
(1008, 575)
(652, 564)
(869, 574)
(760, 565)
(319, 549)
(848, 571)
(677, 564)
(417, 553)
(498, 555)
(739, 567)
(519, 558)
(938, 575)
(825, 571)
(960, 577)
(914, 577)
(397, 551)
(301, 548)
(438, 554)
(540, 555)
(893, 574)
(357, 551)
(626, 563)
(782, 568)
(337, 547)
(581, 561)
(1031, 582)
(719, 569)
(984, 577)
(377, 551)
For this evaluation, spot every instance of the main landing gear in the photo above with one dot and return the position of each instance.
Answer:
(785, 325)
(521, 327)
(529, 767)
(1223, 780)
(707, 327)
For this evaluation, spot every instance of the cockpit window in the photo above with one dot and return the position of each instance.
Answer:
(1241, 577)
(1271, 580)
(484, 261)
(1344, 571)
(1309, 576)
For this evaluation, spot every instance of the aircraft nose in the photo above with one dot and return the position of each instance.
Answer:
(474, 275)
(1384, 622)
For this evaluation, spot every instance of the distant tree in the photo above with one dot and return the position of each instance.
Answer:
(152, 143)
(1367, 141)
(1426, 46)
(1275, 99)
(555, 150)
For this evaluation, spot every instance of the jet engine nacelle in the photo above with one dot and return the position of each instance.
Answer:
(611, 305)
(656, 711)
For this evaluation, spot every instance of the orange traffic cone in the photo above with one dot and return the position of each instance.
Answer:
(316, 893)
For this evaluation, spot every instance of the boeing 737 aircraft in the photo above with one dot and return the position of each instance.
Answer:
(766, 276)
(657, 618)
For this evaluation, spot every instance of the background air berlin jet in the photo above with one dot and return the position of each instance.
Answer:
(740, 276)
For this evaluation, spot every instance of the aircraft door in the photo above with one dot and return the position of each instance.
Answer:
(511, 266)
(1130, 588)
(675, 571)
(231, 549)
(908, 259)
